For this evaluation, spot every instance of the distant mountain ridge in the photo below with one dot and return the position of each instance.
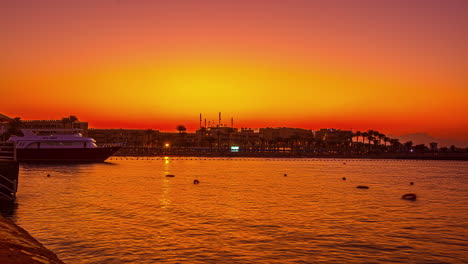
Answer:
(423, 138)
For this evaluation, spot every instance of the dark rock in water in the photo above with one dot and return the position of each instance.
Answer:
(411, 183)
(362, 187)
(170, 175)
(196, 181)
(285, 175)
(344, 178)
(48, 175)
(409, 196)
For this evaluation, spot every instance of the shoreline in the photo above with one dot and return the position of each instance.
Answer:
(17, 246)
(396, 156)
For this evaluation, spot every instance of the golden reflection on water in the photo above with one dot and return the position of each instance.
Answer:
(246, 211)
(166, 184)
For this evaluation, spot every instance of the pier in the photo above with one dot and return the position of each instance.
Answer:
(16, 245)
(9, 170)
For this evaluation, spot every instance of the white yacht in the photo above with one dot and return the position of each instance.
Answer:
(59, 145)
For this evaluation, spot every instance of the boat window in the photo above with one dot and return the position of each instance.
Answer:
(33, 145)
(59, 143)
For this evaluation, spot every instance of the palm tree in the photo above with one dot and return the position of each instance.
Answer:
(380, 136)
(14, 128)
(385, 140)
(375, 141)
(370, 137)
(408, 145)
(395, 143)
(181, 129)
(357, 134)
(364, 136)
(73, 118)
(69, 121)
(65, 121)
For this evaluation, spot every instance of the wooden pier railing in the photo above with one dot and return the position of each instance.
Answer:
(8, 171)
(7, 150)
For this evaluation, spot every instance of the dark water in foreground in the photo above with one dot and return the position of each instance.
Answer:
(246, 211)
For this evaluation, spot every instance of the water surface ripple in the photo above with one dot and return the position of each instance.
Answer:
(246, 211)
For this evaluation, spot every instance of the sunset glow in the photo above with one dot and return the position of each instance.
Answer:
(394, 66)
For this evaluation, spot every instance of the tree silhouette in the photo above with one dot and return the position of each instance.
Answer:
(364, 136)
(14, 128)
(181, 129)
(408, 145)
(385, 140)
(69, 121)
(357, 134)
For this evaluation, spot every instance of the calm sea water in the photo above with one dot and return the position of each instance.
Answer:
(246, 211)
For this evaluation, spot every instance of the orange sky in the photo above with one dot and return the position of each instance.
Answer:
(393, 66)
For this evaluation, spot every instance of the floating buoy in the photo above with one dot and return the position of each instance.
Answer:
(344, 162)
(344, 178)
(362, 187)
(196, 181)
(48, 175)
(285, 175)
(411, 183)
(409, 196)
(170, 175)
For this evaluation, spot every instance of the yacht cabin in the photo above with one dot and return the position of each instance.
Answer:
(47, 138)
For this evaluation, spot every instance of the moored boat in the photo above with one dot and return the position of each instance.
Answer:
(59, 145)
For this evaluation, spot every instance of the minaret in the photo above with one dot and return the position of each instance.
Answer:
(200, 121)
(232, 121)
(219, 122)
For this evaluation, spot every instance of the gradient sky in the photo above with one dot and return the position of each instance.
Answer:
(394, 66)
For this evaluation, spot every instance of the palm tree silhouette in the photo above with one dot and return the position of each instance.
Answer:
(385, 140)
(14, 128)
(357, 134)
(69, 121)
(408, 145)
(181, 128)
(364, 136)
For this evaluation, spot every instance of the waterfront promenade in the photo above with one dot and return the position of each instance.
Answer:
(189, 152)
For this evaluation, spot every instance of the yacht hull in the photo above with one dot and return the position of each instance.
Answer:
(99, 154)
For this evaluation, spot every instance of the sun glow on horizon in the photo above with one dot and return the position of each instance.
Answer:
(149, 65)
